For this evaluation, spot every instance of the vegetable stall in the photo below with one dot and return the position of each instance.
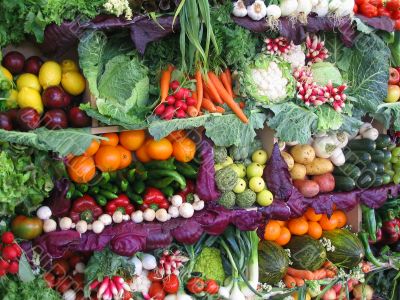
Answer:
(161, 149)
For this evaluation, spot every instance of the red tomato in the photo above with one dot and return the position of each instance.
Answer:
(127, 295)
(74, 260)
(79, 296)
(355, 8)
(382, 11)
(368, 10)
(63, 284)
(9, 252)
(154, 276)
(397, 24)
(3, 264)
(195, 285)
(7, 237)
(395, 15)
(60, 267)
(211, 287)
(13, 267)
(156, 291)
(50, 279)
(359, 2)
(393, 5)
(171, 284)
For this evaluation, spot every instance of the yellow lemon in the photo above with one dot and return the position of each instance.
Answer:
(73, 82)
(28, 80)
(6, 73)
(68, 65)
(29, 97)
(50, 74)
(11, 101)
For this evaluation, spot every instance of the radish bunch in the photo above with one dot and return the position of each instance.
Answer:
(177, 105)
(316, 50)
(279, 45)
(110, 288)
(10, 254)
(170, 262)
(335, 95)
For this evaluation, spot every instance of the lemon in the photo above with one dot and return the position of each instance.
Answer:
(11, 101)
(50, 74)
(73, 82)
(68, 65)
(6, 73)
(28, 80)
(29, 97)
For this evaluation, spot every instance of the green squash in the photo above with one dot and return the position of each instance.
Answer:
(306, 253)
(273, 262)
(349, 250)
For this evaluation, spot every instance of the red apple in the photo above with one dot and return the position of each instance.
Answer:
(14, 62)
(394, 76)
(33, 64)
(393, 94)
(28, 118)
(55, 119)
(55, 97)
(78, 118)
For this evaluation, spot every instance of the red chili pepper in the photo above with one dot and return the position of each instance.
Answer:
(85, 208)
(122, 203)
(154, 198)
(190, 188)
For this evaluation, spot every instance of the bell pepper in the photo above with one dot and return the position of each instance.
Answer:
(391, 231)
(190, 188)
(154, 198)
(122, 203)
(85, 208)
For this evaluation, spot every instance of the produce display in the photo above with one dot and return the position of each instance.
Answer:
(189, 149)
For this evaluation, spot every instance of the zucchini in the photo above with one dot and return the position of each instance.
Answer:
(366, 180)
(387, 156)
(344, 184)
(386, 179)
(380, 168)
(362, 145)
(348, 170)
(377, 156)
(383, 141)
(355, 157)
(378, 180)
(371, 166)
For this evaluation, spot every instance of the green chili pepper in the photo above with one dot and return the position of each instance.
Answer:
(157, 174)
(134, 197)
(368, 252)
(186, 170)
(101, 200)
(83, 188)
(168, 191)
(160, 183)
(138, 186)
(105, 177)
(113, 176)
(109, 187)
(71, 191)
(131, 175)
(94, 190)
(160, 165)
(370, 221)
(77, 194)
(124, 185)
(109, 195)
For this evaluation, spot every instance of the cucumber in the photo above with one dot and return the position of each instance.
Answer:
(380, 168)
(344, 184)
(366, 180)
(371, 166)
(348, 170)
(383, 141)
(362, 145)
(378, 180)
(386, 179)
(377, 156)
(355, 157)
(387, 156)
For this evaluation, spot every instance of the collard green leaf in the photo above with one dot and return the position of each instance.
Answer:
(350, 124)
(339, 54)
(389, 113)
(292, 122)
(25, 272)
(328, 118)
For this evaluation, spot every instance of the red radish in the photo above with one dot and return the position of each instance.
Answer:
(174, 85)
(180, 104)
(159, 109)
(394, 76)
(191, 101)
(9, 253)
(170, 100)
(94, 284)
(168, 113)
(3, 264)
(103, 287)
(7, 237)
(180, 113)
(337, 287)
(18, 249)
(13, 267)
(351, 283)
(113, 289)
(329, 295)
(180, 94)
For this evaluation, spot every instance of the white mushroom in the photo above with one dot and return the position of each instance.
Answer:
(149, 215)
(162, 215)
(117, 216)
(137, 216)
(126, 217)
(176, 200)
(97, 226)
(186, 210)
(81, 226)
(49, 225)
(80, 267)
(105, 219)
(44, 213)
(173, 211)
(65, 223)
(196, 198)
(198, 205)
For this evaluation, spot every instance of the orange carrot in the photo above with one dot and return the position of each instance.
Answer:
(164, 82)
(289, 281)
(205, 94)
(212, 90)
(208, 105)
(227, 98)
(319, 274)
(330, 274)
(194, 95)
(228, 74)
(192, 111)
(199, 89)
(299, 281)
(220, 109)
(304, 274)
(225, 82)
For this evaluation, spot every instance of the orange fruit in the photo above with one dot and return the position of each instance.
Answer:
(159, 150)
(126, 157)
(141, 154)
(184, 149)
(284, 237)
(314, 230)
(328, 224)
(272, 230)
(112, 139)
(311, 215)
(176, 135)
(92, 149)
(107, 158)
(81, 169)
(282, 223)
(298, 226)
(341, 218)
(132, 139)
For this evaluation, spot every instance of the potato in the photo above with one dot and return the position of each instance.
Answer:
(298, 171)
(326, 182)
(303, 154)
(288, 159)
(319, 166)
(308, 188)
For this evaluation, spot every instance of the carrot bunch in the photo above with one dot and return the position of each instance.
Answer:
(295, 277)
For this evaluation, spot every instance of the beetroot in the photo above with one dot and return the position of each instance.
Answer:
(14, 62)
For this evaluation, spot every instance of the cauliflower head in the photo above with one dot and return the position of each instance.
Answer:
(209, 263)
(227, 199)
(246, 199)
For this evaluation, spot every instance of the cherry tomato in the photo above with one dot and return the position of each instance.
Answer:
(156, 291)
(127, 295)
(212, 287)
(18, 249)
(395, 15)
(393, 5)
(50, 279)
(3, 264)
(397, 24)
(355, 8)
(9, 252)
(13, 267)
(63, 284)
(368, 10)
(60, 267)
(382, 11)
(195, 285)
(154, 276)
(171, 284)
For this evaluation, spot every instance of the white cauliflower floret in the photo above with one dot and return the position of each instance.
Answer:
(118, 8)
(295, 57)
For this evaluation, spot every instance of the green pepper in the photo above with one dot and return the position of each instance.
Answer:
(105, 177)
(370, 221)
(113, 176)
(83, 188)
(168, 191)
(71, 191)
(157, 174)
(109, 195)
(110, 187)
(138, 186)
(363, 236)
(160, 183)
(77, 194)
(101, 200)
(160, 165)
(186, 170)
(134, 197)
(94, 190)
(124, 185)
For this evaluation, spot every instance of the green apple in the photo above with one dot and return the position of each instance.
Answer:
(240, 186)
(396, 178)
(239, 169)
(254, 170)
(257, 184)
(265, 198)
(218, 167)
(227, 162)
(259, 156)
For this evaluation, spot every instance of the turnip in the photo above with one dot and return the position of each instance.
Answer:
(138, 265)
(324, 146)
(288, 7)
(149, 262)
(337, 157)
(371, 134)
(329, 295)
(304, 8)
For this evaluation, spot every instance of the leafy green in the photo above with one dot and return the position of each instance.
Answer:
(325, 72)
(389, 113)
(31, 290)
(209, 263)
(292, 122)
(328, 118)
